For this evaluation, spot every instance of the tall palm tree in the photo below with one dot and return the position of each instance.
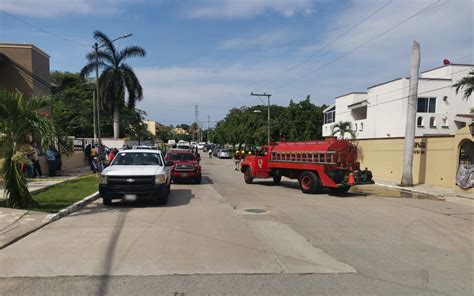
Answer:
(467, 83)
(116, 77)
(19, 118)
(342, 128)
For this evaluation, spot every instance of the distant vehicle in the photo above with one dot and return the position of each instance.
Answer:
(148, 147)
(215, 151)
(200, 146)
(183, 147)
(331, 164)
(185, 165)
(223, 153)
(136, 174)
(172, 143)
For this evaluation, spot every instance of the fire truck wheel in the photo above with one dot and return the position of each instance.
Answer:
(248, 175)
(276, 180)
(309, 182)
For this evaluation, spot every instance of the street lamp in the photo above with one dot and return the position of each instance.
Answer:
(268, 112)
(96, 47)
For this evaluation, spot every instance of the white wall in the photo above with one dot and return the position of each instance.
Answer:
(387, 105)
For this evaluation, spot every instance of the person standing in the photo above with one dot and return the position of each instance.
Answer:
(51, 158)
(237, 159)
(35, 159)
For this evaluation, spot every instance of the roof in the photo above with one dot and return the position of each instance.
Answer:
(375, 85)
(354, 92)
(358, 104)
(140, 150)
(329, 108)
(456, 65)
(18, 45)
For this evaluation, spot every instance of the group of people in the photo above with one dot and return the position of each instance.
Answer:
(32, 168)
(238, 157)
(92, 156)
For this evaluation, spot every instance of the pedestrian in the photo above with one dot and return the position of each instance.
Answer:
(111, 155)
(210, 153)
(51, 158)
(35, 158)
(30, 171)
(59, 163)
(237, 159)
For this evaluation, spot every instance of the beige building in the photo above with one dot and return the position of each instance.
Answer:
(154, 127)
(25, 68)
(179, 131)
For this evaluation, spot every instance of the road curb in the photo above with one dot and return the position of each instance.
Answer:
(72, 208)
(407, 189)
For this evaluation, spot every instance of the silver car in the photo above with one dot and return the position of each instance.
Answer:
(223, 153)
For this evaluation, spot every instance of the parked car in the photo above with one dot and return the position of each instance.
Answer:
(215, 151)
(223, 153)
(185, 165)
(135, 174)
(200, 146)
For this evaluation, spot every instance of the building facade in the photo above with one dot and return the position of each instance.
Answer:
(381, 111)
(444, 136)
(24, 68)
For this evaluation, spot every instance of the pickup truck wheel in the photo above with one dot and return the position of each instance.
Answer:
(276, 180)
(309, 182)
(106, 201)
(168, 189)
(198, 180)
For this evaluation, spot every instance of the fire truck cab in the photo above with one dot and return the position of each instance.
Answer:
(330, 163)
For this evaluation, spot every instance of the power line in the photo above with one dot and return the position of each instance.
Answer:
(427, 8)
(43, 30)
(290, 69)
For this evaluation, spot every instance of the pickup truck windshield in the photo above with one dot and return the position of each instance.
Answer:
(137, 158)
(182, 157)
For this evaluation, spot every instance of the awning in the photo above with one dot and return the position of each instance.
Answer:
(466, 118)
(330, 108)
(358, 105)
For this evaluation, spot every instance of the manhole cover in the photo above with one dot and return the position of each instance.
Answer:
(256, 211)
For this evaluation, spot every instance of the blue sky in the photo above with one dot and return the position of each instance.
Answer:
(213, 53)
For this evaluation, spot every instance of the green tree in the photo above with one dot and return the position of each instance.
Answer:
(19, 118)
(466, 83)
(342, 128)
(116, 78)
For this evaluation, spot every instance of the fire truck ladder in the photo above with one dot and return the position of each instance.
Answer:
(319, 157)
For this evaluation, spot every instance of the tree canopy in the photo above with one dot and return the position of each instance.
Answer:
(300, 121)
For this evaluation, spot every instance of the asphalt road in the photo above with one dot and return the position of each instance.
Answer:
(206, 242)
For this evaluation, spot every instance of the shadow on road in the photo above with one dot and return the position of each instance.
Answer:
(110, 253)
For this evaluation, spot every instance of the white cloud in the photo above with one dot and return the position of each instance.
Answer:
(51, 8)
(266, 40)
(223, 9)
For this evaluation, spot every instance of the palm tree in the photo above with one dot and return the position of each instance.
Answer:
(342, 128)
(116, 77)
(467, 83)
(19, 118)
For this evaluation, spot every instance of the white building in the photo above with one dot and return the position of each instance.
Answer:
(381, 111)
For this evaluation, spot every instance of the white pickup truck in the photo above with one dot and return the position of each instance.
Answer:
(135, 174)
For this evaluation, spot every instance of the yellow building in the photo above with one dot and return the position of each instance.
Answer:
(436, 158)
(153, 126)
(179, 131)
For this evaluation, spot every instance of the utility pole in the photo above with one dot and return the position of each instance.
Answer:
(407, 177)
(208, 124)
(99, 148)
(268, 112)
(196, 118)
(94, 117)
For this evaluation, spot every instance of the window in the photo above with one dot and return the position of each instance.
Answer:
(426, 105)
(419, 121)
(330, 116)
(432, 122)
(361, 126)
(355, 127)
(263, 152)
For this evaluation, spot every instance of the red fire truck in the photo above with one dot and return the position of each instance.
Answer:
(330, 163)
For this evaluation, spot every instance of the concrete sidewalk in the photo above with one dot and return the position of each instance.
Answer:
(16, 223)
(444, 192)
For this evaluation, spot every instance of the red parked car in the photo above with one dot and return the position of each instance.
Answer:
(185, 166)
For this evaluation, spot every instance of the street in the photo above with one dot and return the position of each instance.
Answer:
(225, 237)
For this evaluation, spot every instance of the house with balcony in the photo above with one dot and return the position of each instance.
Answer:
(444, 135)
(381, 111)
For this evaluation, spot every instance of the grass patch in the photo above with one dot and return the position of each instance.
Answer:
(64, 194)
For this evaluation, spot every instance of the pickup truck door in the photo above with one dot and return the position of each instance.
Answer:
(262, 163)
(166, 169)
